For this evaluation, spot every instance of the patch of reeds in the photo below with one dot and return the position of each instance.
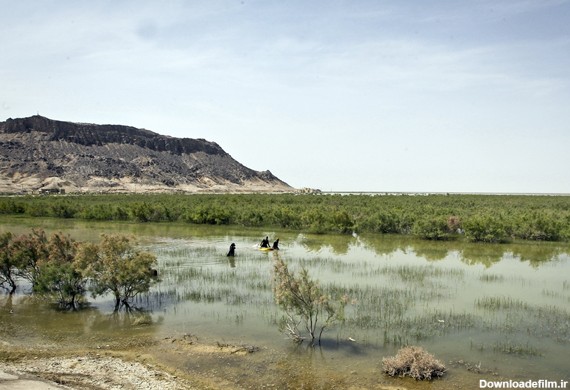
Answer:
(515, 315)
(397, 304)
(491, 278)
(184, 251)
(412, 273)
(500, 303)
(509, 347)
(332, 265)
(555, 294)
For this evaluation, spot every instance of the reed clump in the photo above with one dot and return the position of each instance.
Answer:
(415, 362)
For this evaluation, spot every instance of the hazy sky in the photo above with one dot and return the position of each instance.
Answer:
(395, 95)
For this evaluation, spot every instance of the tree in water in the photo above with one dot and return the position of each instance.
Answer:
(29, 252)
(305, 303)
(60, 276)
(48, 264)
(114, 265)
(7, 263)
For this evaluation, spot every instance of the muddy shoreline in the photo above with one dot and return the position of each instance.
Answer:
(110, 367)
(170, 363)
(88, 369)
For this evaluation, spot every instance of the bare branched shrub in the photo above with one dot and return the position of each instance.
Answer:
(305, 302)
(414, 362)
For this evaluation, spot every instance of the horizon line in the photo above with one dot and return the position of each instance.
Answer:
(448, 193)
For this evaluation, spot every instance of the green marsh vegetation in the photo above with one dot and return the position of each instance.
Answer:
(477, 218)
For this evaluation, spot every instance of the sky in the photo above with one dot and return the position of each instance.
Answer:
(354, 95)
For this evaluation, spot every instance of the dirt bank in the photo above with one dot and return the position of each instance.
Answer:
(86, 372)
(106, 367)
(116, 367)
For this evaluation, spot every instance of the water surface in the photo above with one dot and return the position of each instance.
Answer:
(504, 309)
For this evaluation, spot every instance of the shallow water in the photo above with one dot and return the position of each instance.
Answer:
(502, 308)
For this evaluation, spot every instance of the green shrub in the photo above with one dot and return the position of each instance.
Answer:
(115, 266)
(7, 263)
(29, 251)
(62, 282)
(486, 228)
(59, 268)
(58, 276)
(434, 228)
(539, 226)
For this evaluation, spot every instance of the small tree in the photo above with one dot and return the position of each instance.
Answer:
(7, 263)
(63, 282)
(304, 302)
(114, 265)
(60, 276)
(29, 251)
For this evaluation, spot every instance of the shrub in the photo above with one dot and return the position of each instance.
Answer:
(29, 251)
(539, 227)
(434, 228)
(63, 282)
(380, 222)
(116, 266)
(7, 266)
(305, 302)
(57, 275)
(414, 362)
(486, 228)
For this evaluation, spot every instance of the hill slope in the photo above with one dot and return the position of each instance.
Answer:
(38, 154)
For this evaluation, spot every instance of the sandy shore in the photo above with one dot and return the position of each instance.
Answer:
(159, 364)
(85, 372)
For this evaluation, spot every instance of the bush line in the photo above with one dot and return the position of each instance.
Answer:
(478, 218)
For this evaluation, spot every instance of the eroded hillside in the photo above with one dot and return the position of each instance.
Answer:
(40, 154)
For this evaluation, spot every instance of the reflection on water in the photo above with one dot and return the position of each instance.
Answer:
(504, 308)
(27, 321)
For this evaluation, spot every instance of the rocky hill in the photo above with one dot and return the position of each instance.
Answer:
(38, 154)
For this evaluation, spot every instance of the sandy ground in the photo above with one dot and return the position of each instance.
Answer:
(85, 372)
(126, 367)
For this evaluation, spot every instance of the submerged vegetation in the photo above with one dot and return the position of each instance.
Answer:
(478, 218)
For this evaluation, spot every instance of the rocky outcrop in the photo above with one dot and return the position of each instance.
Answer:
(40, 154)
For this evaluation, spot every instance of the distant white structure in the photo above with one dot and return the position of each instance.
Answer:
(307, 190)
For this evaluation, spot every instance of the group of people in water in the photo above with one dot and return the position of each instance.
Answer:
(264, 245)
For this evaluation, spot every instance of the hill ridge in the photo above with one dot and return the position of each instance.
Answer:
(38, 154)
